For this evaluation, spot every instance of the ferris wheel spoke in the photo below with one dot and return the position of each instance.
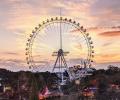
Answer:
(64, 26)
(42, 37)
(69, 28)
(51, 27)
(55, 27)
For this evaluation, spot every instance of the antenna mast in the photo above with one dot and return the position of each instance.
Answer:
(60, 31)
(60, 63)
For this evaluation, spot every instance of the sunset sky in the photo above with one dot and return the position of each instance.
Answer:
(18, 18)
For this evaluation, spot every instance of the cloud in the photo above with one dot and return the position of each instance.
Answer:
(12, 64)
(110, 33)
(42, 62)
(97, 28)
(78, 46)
(105, 65)
(11, 61)
(10, 53)
(107, 58)
(107, 44)
(103, 8)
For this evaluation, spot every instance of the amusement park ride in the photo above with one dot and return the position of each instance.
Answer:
(60, 64)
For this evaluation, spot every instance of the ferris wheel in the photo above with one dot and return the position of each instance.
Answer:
(61, 37)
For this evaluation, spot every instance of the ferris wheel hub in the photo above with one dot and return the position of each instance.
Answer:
(60, 52)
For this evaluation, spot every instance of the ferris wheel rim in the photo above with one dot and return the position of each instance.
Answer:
(32, 36)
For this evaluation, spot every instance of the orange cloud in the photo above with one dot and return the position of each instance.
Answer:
(110, 33)
(103, 58)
